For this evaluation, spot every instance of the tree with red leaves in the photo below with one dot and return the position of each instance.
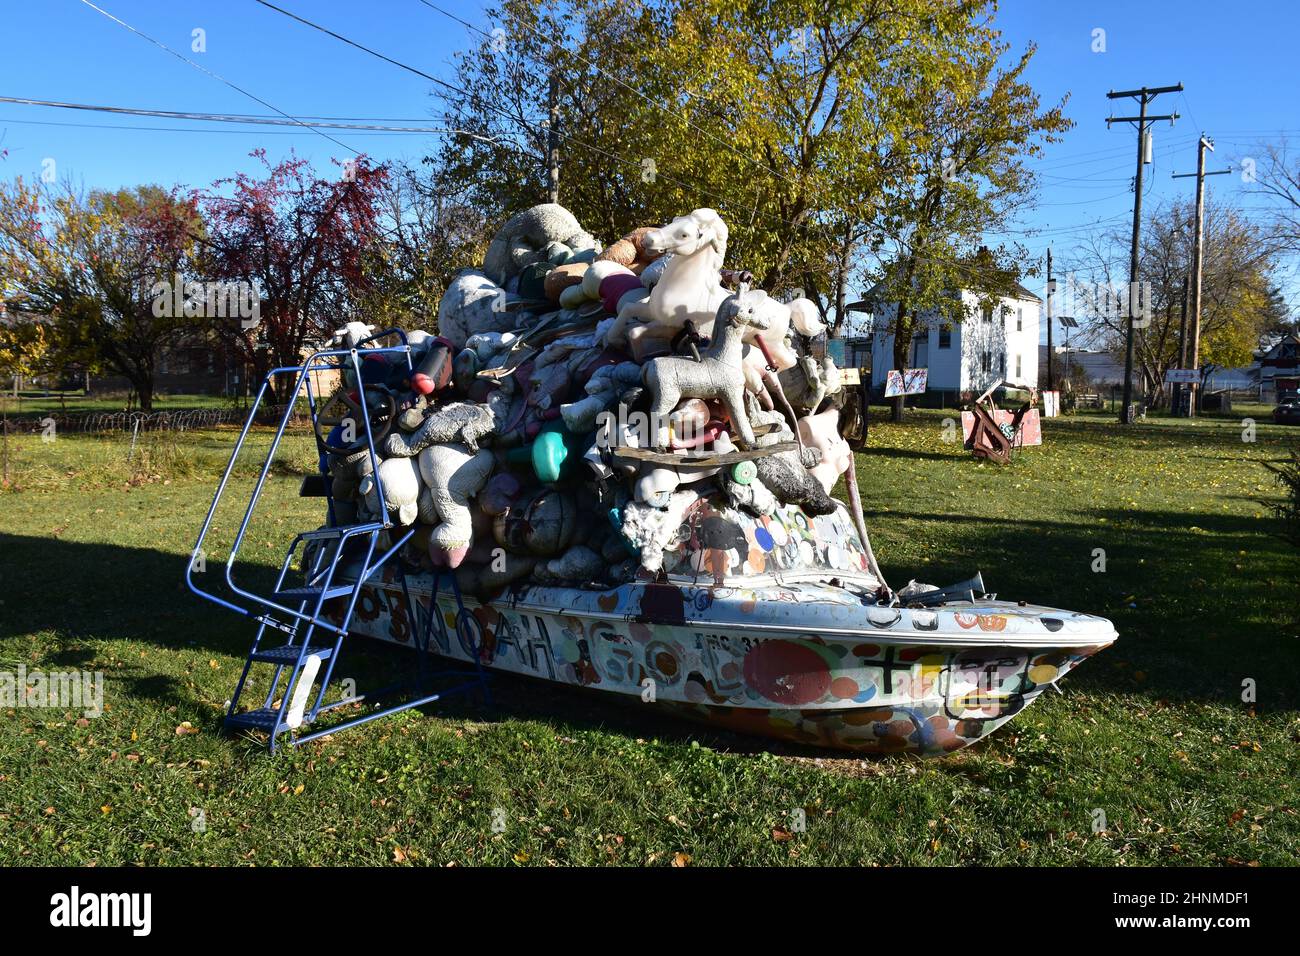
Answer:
(301, 242)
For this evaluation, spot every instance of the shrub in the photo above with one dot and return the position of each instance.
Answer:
(1287, 509)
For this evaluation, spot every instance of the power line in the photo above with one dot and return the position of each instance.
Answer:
(360, 131)
(500, 110)
(215, 76)
(224, 117)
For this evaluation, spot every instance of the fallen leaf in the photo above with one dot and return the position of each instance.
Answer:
(681, 859)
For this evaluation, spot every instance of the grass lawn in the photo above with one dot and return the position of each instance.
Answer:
(1152, 733)
(76, 403)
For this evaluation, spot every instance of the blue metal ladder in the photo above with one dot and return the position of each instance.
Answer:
(313, 639)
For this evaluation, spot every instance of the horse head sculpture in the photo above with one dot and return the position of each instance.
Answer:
(687, 235)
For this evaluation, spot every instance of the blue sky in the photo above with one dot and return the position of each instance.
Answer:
(1237, 62)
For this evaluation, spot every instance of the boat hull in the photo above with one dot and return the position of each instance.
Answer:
(805, 663)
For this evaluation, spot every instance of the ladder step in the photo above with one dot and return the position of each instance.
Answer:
(322, 534)
(310, 593)
(288, 653)
(264, 718)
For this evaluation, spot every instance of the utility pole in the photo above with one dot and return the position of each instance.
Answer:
(1143, 96)
(1197, 257)
(1176, 396)
(553, 142)
(1051, 294)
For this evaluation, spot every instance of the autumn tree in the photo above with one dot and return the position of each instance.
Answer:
(789, 118)
(1275, 178)
(1238, 296)
(958, 150)
(300, 241)
(92, 263)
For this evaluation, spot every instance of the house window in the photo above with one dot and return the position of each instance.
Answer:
(988, 313)
(922, 335)
(945, 338)
(1020, 320)
(1018, 372)
(1002, 364)
(986, 362)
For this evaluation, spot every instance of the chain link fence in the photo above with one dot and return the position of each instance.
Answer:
(190, 419)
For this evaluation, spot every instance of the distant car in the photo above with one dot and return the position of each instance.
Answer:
(1287, 411)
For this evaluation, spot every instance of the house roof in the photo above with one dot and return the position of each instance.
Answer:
(869, 298)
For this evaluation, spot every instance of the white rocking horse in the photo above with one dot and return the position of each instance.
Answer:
(690, 289)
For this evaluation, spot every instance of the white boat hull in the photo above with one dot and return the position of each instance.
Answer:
(804, 662)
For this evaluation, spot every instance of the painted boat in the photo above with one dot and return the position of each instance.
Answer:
(771, 629)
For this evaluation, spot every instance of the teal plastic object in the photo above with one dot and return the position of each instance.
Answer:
(616, 519)
(552, 453)
(743, 472)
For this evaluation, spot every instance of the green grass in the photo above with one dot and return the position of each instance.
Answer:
(1152, 732)
(77, 403)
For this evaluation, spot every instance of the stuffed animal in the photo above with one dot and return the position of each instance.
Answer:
(603, 389)
(466, 422)
(786, 474)
(657, 483)
(541, 233)
(453, 474)
(542, 523)
(352, 333)
(631, 251)
(400, 480)
(472, 304)
(578, 564)
(652, 530)
(563, 277)
(822, 432)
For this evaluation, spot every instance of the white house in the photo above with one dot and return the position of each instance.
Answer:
(991, 343)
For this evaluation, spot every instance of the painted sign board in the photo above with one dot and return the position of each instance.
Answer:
(910, 381)
(1182, 376)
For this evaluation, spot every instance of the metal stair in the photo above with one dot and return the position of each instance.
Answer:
(312, 616)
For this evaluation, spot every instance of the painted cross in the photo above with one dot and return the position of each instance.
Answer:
(887, 666)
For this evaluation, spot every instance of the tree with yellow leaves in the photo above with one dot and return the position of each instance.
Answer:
(89, 265)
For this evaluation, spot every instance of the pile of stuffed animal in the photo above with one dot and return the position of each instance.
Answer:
(568, 416)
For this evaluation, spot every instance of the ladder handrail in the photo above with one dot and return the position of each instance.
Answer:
(312, 364)
(312, 598)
